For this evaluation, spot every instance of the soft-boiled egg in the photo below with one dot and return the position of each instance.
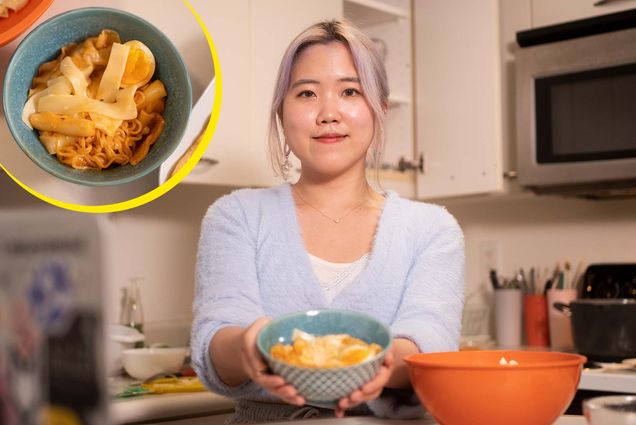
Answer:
(140, 65)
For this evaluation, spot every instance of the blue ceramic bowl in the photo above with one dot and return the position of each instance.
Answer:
(324, 387)
(44, 43)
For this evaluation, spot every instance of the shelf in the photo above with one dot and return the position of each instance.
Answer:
(372, 12)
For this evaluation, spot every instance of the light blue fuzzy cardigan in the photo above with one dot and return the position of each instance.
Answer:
(252, 262)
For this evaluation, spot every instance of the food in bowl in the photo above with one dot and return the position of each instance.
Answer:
(95, 106)
(44, 43)
(143, 363)
(536, 391)
(7, 6)
(333, 350)
(325, 386)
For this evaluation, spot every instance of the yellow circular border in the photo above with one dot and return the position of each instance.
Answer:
(176, 178)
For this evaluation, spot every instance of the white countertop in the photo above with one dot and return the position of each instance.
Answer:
(615, 381)
(182, 405)
(208, 404)
(165, 406)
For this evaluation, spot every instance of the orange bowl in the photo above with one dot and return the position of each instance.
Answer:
(18, 22)
(472, 388)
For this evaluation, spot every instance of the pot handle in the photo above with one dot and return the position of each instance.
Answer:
(563, 308)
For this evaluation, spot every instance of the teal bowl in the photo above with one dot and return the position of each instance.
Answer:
(324, 387)
(44, 43)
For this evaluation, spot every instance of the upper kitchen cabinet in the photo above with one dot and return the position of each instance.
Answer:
(458, 97)
(388, 24)
(548, 12)
(250, 37)
(224, 163)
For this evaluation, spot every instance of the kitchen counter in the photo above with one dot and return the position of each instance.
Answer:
(173, 406)
(213, 409)
(613, 381)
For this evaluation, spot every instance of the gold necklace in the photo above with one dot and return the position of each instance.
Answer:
(335, 220)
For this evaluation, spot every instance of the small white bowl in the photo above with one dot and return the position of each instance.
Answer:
(120, 338)
(610, 410)
(142, 363)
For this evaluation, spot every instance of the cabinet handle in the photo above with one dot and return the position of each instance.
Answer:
(510, 175)
(404, 165)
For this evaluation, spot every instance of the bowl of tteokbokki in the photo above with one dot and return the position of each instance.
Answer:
(325, 354)
(97, 96)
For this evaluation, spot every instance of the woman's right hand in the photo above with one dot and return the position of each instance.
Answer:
(256, 369)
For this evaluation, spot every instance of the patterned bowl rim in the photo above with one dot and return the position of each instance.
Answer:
(279, 319)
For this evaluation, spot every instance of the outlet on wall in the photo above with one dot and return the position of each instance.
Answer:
(489, 258)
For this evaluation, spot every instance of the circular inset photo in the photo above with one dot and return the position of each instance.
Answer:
(98, 100)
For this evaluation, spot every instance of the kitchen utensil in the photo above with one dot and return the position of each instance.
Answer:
(142, 363)
(603, 329)
(473, 388)
(324, 387)
(610, 410)
(162, 385)
(560, 326)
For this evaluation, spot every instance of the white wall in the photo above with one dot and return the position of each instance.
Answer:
(540, 231)
(158, 242)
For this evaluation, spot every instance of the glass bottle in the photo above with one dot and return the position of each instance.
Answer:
(133, 313)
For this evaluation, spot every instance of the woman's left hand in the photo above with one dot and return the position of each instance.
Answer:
(369, 391)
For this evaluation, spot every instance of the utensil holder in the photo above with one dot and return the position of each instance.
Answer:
(508, 313)
(536, 320)
(560, 324)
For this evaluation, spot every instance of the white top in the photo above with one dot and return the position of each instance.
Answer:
(335, 277)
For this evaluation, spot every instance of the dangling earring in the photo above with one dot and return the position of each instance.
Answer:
(287, 165)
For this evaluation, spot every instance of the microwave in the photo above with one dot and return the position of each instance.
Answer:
(576, 107)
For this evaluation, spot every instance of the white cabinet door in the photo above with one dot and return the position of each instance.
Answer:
(458, 97)
(273, 25)
(228, 25)
(548, 12)
(250, 37)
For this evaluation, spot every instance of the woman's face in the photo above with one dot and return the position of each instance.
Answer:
(328, 123)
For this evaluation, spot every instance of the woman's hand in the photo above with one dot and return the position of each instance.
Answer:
(256, 368)
(371, 390)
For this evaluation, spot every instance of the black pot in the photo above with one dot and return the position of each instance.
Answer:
(603, 329)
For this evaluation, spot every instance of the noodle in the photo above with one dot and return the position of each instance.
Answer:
(126, 123)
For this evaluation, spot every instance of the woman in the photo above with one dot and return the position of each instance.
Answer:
(329, 240)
